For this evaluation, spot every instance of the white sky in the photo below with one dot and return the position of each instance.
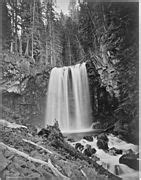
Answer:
(62, 5)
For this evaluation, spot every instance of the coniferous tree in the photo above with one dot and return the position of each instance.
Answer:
(109, 36)
(6, 27)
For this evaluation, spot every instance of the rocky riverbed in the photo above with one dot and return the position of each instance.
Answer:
(114, 154)
(45, 154)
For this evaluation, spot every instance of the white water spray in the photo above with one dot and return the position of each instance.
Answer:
(68, 99)
(111, 162)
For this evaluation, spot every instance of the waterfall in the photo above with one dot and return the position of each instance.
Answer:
(68, 98)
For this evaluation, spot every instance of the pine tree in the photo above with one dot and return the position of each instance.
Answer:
(53, 38)
(109, 35)
(6, 27)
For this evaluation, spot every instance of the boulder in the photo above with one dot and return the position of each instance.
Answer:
(130, 159)
(103, 137)
(79, 146)
(44, 132)
(101, 144)
(89, 151)
(93, 150)
(114, 151)
(52, 133)
(102, 141)
(88, 138)
(128, 151)
(137, 155)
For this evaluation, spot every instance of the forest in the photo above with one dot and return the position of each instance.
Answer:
(36, 38)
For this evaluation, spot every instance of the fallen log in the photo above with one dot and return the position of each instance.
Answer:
(3, 122)
(49, 164)
(30, 142)
(84, 174)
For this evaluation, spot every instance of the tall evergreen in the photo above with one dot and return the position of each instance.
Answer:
(6, 27)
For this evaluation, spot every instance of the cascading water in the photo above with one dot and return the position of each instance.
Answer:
(68, 99)
(109, 161)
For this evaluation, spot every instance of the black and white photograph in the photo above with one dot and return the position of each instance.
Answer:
(69, 90)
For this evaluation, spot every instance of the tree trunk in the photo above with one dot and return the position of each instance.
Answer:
(16, 33)
(46, 51)
(50, 32)
(20, 48)
(81, 50)
(32, 55)
(16, 43)
(27, 48)
(11, 47)
(69, 50)
(53, 44)
(12, 25)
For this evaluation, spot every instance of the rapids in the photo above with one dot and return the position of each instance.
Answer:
(110, 162)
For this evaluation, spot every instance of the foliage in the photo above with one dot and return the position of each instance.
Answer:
(32, 30)
(109, 36)
(6, 27)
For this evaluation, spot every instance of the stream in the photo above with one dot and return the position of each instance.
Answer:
(107, 160)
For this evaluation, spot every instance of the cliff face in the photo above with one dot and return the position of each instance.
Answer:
(104, 100)
(24, 89)
(29, 105)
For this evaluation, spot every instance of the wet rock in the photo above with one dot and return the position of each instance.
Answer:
(52, 133)
(103, 137)
(70, 140)
(130, 159)
(101, 144)
(43, 132)
(95, 158)
(129, 151)
(114, 151)
(118, 170)
(79, 146)
(137, 155)
(89, 151)
(119, 130)
(88, 138)
(96, 125)
(102, 141)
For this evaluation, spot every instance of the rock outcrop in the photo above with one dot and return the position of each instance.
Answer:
(130, 159)
(24, 89)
